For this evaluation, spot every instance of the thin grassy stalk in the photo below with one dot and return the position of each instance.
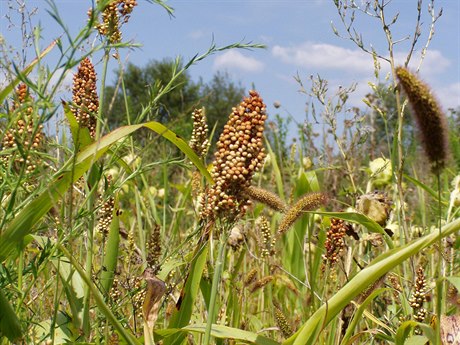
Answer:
(99, 299)
(218, 268)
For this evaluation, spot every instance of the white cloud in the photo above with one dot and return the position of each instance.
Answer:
(235, 59)
(327, 56)
(323, 55)
(196, 34)
(433, 63)
(449, 95)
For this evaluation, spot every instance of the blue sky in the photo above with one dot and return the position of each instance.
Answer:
(298, 36)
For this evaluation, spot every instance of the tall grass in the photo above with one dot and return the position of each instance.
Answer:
(106, 240)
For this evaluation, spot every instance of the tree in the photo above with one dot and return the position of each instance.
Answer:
(218, 97)
(174, 108)
(141, 85)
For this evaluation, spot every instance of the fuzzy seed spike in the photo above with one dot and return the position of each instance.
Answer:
(308, 202)
(429, 117)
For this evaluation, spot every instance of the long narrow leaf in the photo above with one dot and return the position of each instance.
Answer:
(181, 316)
(28, 217)
(222, 332)
(9, 322)
(363, 279)
(9, 88)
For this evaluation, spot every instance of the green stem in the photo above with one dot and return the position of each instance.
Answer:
(215, 284)
(99, 299)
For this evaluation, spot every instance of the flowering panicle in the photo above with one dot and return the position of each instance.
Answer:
(153, 248)
(259, 284)
(23, 132)
(335, 242)
(309, 202)
(419, 296)
(429, 117)
(199, 141)
(106, 215)
(85, 96)
(240, 153)
(268, 241)
(111, 15)
(282, 323)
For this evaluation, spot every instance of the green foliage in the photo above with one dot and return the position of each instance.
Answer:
(79, 231)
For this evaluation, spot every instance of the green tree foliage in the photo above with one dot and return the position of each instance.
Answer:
(218, 97)
(174, 108)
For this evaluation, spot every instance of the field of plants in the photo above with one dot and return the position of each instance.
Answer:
(164, 230)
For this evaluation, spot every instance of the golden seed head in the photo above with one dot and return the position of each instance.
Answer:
(308, 202)
(265, 197)
(261, 283)
(199, 141)
(282, 323)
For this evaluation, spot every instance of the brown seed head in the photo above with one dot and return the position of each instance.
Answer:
(240, 153)
(265, 197)
(85, 96)
(429, 117)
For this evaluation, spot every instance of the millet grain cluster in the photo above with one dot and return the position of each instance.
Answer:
(240, 153)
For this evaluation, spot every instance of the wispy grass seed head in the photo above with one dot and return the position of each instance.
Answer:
(429, 117)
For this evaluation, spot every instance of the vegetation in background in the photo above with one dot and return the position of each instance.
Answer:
(121, 230)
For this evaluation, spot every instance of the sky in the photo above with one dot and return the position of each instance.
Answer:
(298, 35)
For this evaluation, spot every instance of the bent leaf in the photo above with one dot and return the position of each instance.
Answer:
(9, 88)
(28, 217)
(222, 332)
(376, 269)
(9, 322)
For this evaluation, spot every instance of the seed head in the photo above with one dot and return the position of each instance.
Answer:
(85, 96)
(282, 323)
(429, 117)
(199, 141)
(309, 202)
(265, 197)
(335, 242)
(240, 153)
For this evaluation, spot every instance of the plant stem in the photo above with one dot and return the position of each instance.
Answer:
(215, 284)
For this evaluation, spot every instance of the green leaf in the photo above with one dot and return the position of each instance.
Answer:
(426, 188)
(358, 315)
(111, 251)
(10, 87)
(28, 217)
(80, 135)
(181, 316)
(9, 322)
(359, 218)
(221, 332)
(455, 281)
(181, 145)
(376, 269)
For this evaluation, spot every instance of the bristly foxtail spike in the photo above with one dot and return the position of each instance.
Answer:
(309, 202)
(429, 117)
